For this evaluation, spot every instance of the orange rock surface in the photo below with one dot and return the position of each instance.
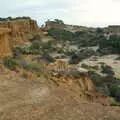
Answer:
(21, 29)
(5, 46)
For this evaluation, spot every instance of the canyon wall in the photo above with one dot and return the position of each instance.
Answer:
(22, 29)
(5, 45)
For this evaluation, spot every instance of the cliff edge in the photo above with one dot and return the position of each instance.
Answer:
(22, 29)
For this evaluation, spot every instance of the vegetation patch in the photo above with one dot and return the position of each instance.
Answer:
(107, 70)
(10, 63)
(60, 34)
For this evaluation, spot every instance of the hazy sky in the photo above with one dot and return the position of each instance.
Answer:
(80, 12)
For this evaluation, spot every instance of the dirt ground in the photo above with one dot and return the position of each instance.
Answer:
(22, 99)
(107, 59)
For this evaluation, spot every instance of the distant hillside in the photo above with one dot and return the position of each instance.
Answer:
(108, 39)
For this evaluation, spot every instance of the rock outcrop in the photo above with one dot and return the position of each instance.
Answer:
(81, 86)
(5, 45)
(76, 81)
(22, 29)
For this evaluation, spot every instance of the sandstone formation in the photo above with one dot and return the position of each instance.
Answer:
(22, 29)
(23, 99)
(5, 46)
(76, 81)
(82, 87)
(58, 66)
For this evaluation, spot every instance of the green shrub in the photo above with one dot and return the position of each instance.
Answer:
(56, 21)
(99, 31)
(39, 47)
(107, 69)
(75, 58)
(32, 67)
(36, 47)
(83, 65)
(9, 63)
(48, 57)
(101, 80)
(115, 92)
(36, 37)
(17, 52)
(86, 38)
(60, 34)
(110, 45)
(114, 102)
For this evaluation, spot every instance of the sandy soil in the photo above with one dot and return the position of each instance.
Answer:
(22, 99)
(107, 59)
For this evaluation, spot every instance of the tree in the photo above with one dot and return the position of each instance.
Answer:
(58, 21)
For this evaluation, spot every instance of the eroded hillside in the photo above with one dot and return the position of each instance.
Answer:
(25, 99)
(21, 29)
(63, 72)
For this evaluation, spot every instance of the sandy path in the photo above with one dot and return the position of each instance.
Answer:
(109, 60)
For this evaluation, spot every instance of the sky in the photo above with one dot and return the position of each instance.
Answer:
(77, 12)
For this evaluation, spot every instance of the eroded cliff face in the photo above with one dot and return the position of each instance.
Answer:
(5, 45)
(81, 87)
(78, 82)
(21, 29)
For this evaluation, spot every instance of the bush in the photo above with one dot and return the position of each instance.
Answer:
(101, 80)
(39, 47)
(36, 44)
(118, 58)
(32, 67)
(86, 38)
(75, 58)
(99, 31)
(110, 45)
(17, 52)
(48, 57)
(36, 37)
(114, 102)
(86, 53)
(56, 21)
(107, 69)
(115, 92)
(60, 34)
(36, 47)
(9, 63)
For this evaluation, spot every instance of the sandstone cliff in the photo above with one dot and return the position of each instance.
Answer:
(22, 29)
(5, 46)
(82, 87)
(76, 81)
